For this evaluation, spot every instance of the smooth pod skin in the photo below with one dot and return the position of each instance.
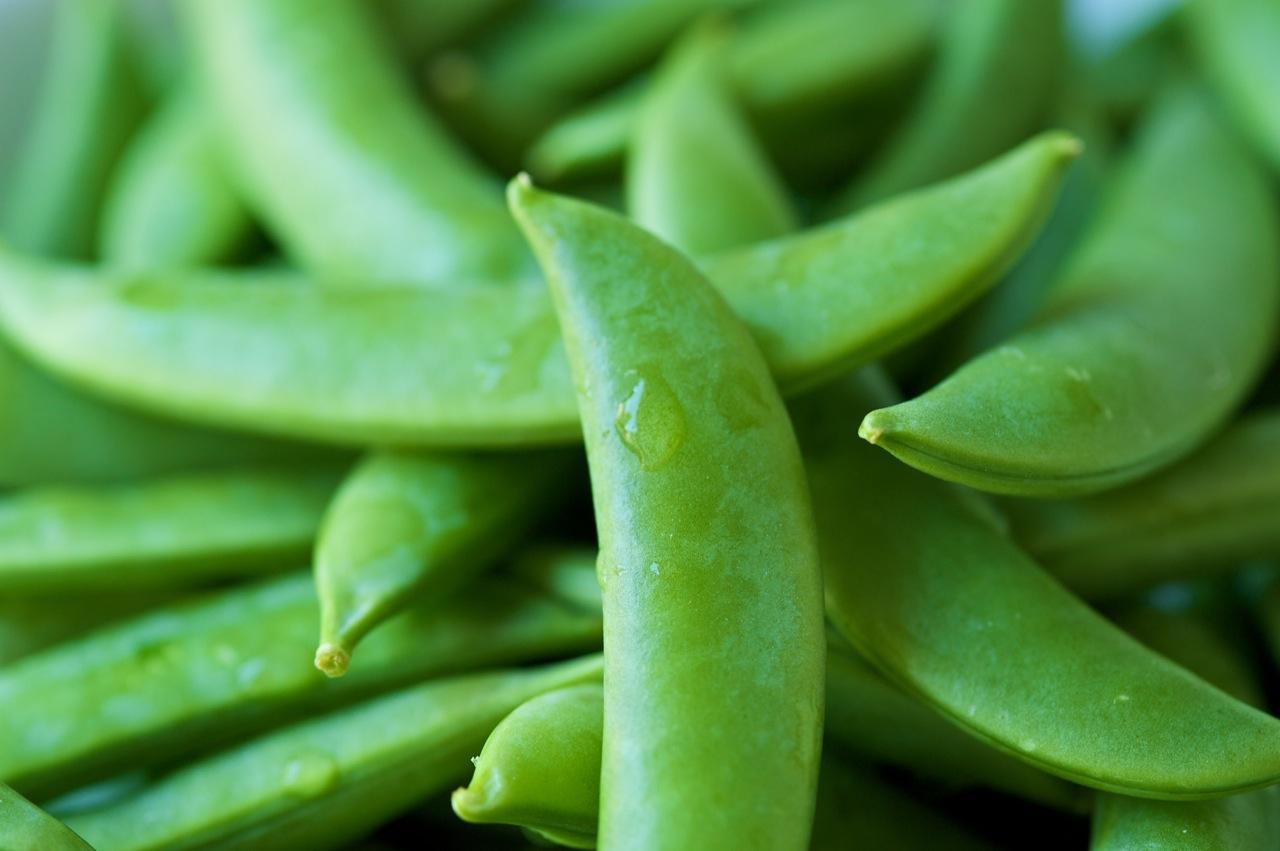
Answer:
(712, 593)
(52, 434)
(411, 527)
(540, 768)
(1235, 41)
(90, 101)
(322, 783)
(168, 533)
(346, 169)
(32, 623)
(1164, 319)
(1201, 517)
(187, 677)
(171, 201)
(997, 67)
(483, 366)
(696, 176)
(25, 827)
(956, 614)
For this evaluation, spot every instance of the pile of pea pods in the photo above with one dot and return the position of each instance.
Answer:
(923, 353)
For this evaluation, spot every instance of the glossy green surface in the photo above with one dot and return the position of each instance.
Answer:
(407, 528)
(31, 623)
(1236, 40)
(960, 617)
(174, 532)
(320, 784)
(484, 366)
(1200, 517)
(1164, 319)
(346, 169)
(171, 201)
(184, 678)
(540, 768)
(997, 67)
(51, 433)
(25, 827)
(696, 176)
(90, 101)
(706, 542)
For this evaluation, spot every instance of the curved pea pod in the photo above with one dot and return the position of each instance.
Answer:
(188, 677)
(696, 175)
(1162, 322)
(540, 768)
(51, 433)
(1200, 517)
(875, 720)
(506, 88)
(169, 533)
(956, 614)
(704, 526)
(483, 366)
(90, 101)
(322, 783)
(171, 201)
(787, 62)
(353, 177)
(408, 528)
(1234, 41)
(996, 69)
(25, 827)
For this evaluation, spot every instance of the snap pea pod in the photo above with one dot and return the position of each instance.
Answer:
(53, 434)
(1244, 822)
(1162, 322)
(484, 365)
(25, 827)
(505, 89)
(696, 175)
(325, 782)
(191, 676)
(1234, 41)
(407, 528)
(1203, 516)
(171, 201)
(347, 171)
(174, 532)
(422, 27)
(567, 573)
(706, 542)
(786, 62)
(90, 101)
(28, 624)
(961, 618)
(997, 66)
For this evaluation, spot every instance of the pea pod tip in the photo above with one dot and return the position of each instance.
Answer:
(332, 660)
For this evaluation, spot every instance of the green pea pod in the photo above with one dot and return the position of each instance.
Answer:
(165, 533)
(540, 768)
(483, 366)
(508, 87)
(1200, 517)
(704, 528)
(567, 573)
(422, 27)
(53, 434)
(696, 176)
(90, 101)
(352, 176)
(322, 783)
(786, 61)
(997, 67)
(871, 718)
(1244, 822)
(188, 677)
(1162, 322)
(171, 201)
(410, 527)
(25, 827)
(1234, 41)
(29, 624)
(960, 617)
